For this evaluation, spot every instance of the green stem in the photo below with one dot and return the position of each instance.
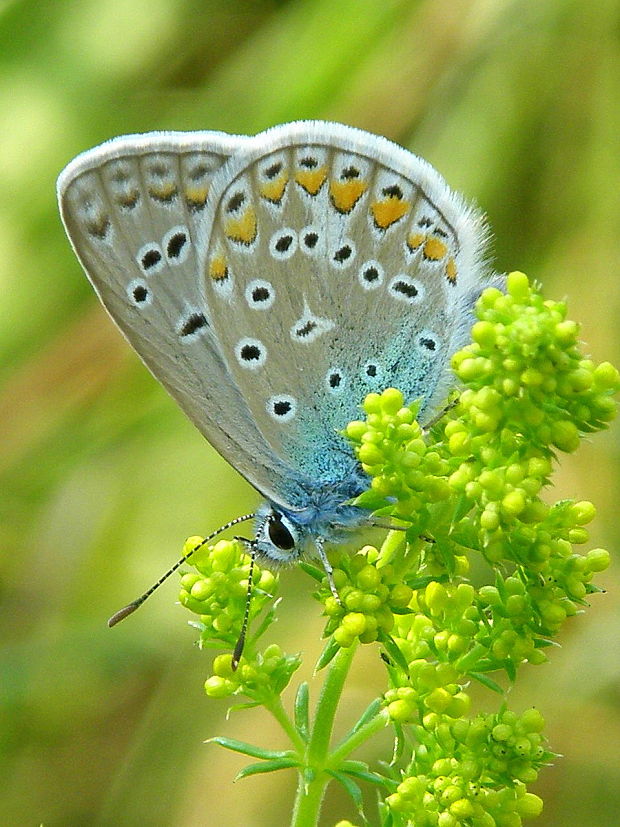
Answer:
(312, 782)
(358, 737)
(276, 708)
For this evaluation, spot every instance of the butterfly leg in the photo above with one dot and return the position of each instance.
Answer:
(434, 420)
(329, 571)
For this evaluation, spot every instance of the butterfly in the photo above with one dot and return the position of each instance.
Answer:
(271, 282)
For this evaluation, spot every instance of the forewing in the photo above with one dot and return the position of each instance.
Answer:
(133, 209)
(336, 263)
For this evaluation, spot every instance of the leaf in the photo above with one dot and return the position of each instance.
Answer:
(543, 642)
(422, 582)
(350, 786)
(249, 749)
(486, 681)
(364, 774)
(399, 743)
(328, 653)
(370, 500)
(237, 707)
(393, 651)
(511, 670)
(302, 718)
(266, 766)
(314, 571)
(463, 507)
(371, 711)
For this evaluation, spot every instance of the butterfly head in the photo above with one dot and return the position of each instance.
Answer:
(279, 538)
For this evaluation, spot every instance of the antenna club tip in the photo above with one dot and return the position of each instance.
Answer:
(123, 613)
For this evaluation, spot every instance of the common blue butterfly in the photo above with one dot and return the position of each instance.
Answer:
(270, 283)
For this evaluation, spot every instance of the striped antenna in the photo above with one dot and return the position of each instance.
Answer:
(135, 604)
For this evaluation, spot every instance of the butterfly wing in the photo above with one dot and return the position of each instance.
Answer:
(336, 263)
(133, 209)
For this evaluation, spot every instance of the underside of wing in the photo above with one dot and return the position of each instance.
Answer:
(335, 263)
(133, 209)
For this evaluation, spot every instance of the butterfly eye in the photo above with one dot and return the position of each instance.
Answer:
(279, 534)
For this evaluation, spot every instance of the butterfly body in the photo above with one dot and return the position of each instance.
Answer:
(270, 283)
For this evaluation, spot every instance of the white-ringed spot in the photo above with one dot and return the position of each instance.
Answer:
(138, 293)
(176, 244)
(406, 289)
(251, 353)
(372, 373)
(150, 258)
(371, 275)
(282, 407)
(260, 294)
(192, 326)
(310, 240)
(335, 381)
(283, 244)
(344, 254)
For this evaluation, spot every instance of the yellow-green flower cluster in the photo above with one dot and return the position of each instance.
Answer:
(390, 446)
(525, 367)
(430, 690)
(217, 589)
(473, 772)
(368, 597)
(260, 678)
(473, 485)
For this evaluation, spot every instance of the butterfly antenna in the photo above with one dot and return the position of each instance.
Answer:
(135, 604)
(238, 651)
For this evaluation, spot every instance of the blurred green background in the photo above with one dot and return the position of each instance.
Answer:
(517, 103)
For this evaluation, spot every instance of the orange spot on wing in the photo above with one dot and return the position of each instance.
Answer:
(346, 194)
(390, 211)
(196, 197)
(451, 271)
(164, 192)
(274, 190)
(434, 249)
(243, 229)
(218, 269)
(415, 240)
(311, 179)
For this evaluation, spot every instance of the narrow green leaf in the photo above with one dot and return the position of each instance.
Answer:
(371, 711)
(246, 705)
(350, 786)
(363, 773)
(422, 582)
(313, 571)
(543, 642)
(327, 654)
(266, 766)
(302, 717)
(486, 681)
(352, 765)
(250, 749)
(511, 670)
(399, 743)
(393, 651)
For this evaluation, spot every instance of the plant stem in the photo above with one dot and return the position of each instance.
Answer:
(358, 737)
(276, 708)
(312, 782)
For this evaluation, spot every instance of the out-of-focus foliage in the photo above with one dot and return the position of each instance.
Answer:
(516, 103)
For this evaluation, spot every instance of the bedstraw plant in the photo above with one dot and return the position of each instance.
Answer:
(475, 582)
